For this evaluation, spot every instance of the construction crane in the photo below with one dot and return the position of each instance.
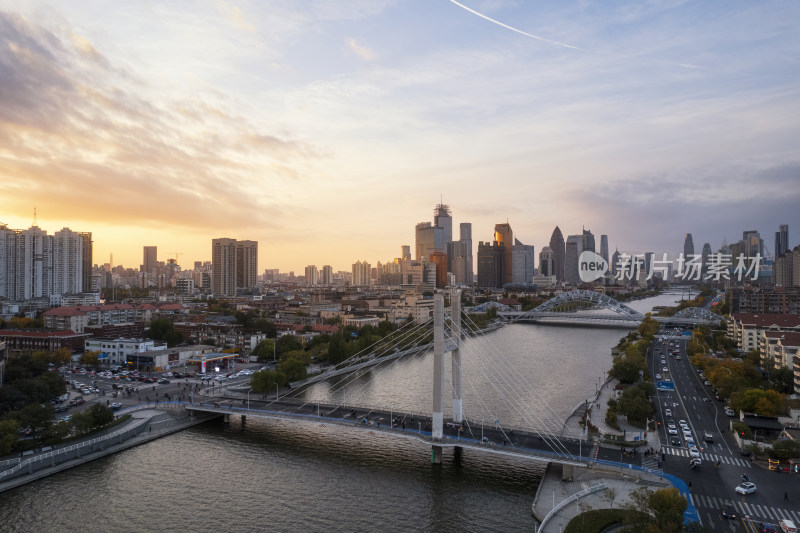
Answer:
(176, 254)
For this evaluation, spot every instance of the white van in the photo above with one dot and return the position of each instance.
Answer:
(730, 412)
(787, 526)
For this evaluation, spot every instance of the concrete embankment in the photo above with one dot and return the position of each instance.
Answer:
(146, 424)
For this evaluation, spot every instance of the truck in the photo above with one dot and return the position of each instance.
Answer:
(787, 526)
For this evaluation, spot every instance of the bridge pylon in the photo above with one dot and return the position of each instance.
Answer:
(442, 345)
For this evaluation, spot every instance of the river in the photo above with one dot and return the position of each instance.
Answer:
(284, 476)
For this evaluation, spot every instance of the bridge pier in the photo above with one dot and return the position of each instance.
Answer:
(226, 418)
(567, 472)
(436, 455)
(244, 419)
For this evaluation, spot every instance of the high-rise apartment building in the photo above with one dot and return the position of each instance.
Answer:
(362, 272)
(547, 264)
(88, 244)
(246, 264)
(312, 275)
(558, 246)
(34, 264)
(149, 258)
(523, 260)
(223, 267)
(327, 275)
(67, 262)
(505, 238)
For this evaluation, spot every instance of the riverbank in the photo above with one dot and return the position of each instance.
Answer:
(147, 424)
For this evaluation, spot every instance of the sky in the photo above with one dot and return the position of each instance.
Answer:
(326, 129)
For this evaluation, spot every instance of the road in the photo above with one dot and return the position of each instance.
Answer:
(711, 486)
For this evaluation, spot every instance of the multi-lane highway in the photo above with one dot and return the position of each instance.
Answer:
(722, 466)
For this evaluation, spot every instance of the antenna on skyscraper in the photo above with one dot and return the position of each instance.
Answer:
(34, 218)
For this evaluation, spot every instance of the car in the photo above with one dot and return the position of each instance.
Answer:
(67, 418)
(747, 453)
(62, 408)
(205, 378)
(668, 412)
(220, 378)
(708, 437)
(690, 442)
(746, 487)
(163, 381)
(116, 406)
(676, 441)
(658, 376)
(663, 361)
(678, 357)
(728, 512)
(694, 452)
(668, 380)
(787, 526)
(706, 382)
(671, 424)
(672, 431)
(683, 424)
(767, 528)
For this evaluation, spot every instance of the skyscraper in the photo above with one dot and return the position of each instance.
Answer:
(547, 262)
(405, 253)
(504, 237)
(443, 219)
(752, 243)
(466, 239)
(573, 250)
(782, 240)
(588, 241)
(429, 239)
(523, 262)
(312, 275)
(149, 260)
(688, 247)
(604, 247)
(558, 247)
(491, 265)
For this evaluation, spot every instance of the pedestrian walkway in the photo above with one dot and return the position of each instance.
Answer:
(710, 457)
(553, 491)
(754, 511)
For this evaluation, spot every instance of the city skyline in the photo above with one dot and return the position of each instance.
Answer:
(325, 132)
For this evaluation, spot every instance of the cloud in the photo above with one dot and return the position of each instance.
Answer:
(360, 50)
(76, 133)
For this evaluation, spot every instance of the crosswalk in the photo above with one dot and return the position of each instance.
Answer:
(711, 457)
(754, 511)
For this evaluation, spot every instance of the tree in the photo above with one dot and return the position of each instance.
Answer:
(785, 449)
(101, 415)
(293, 368)
(287, 343)
(265, 350)
(634, 404)
(164, 330)
(90, 358)
(264, 381)
(8, 436)
(337, 350)
(610, 495)
(743, 430)
(82, 422)
(668, 506)
(781, 379)
(58, 432)
(36, 416)
(61, 357)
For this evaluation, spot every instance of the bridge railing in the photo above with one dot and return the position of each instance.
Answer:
(575, 497)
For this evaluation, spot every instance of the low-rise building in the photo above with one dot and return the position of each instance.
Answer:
(118, 351)
(746, 328)
(27, 341)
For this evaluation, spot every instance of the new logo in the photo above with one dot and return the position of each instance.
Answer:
(591, 266)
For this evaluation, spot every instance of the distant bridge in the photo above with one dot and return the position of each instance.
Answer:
(580, 306)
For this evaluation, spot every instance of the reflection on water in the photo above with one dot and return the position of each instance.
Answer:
(284, 476)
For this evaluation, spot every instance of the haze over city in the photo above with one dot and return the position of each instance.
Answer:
(326, 130)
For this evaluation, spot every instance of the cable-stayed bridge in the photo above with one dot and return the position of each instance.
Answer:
(536, 431)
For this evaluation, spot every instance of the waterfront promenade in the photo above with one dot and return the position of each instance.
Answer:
(151, 424)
